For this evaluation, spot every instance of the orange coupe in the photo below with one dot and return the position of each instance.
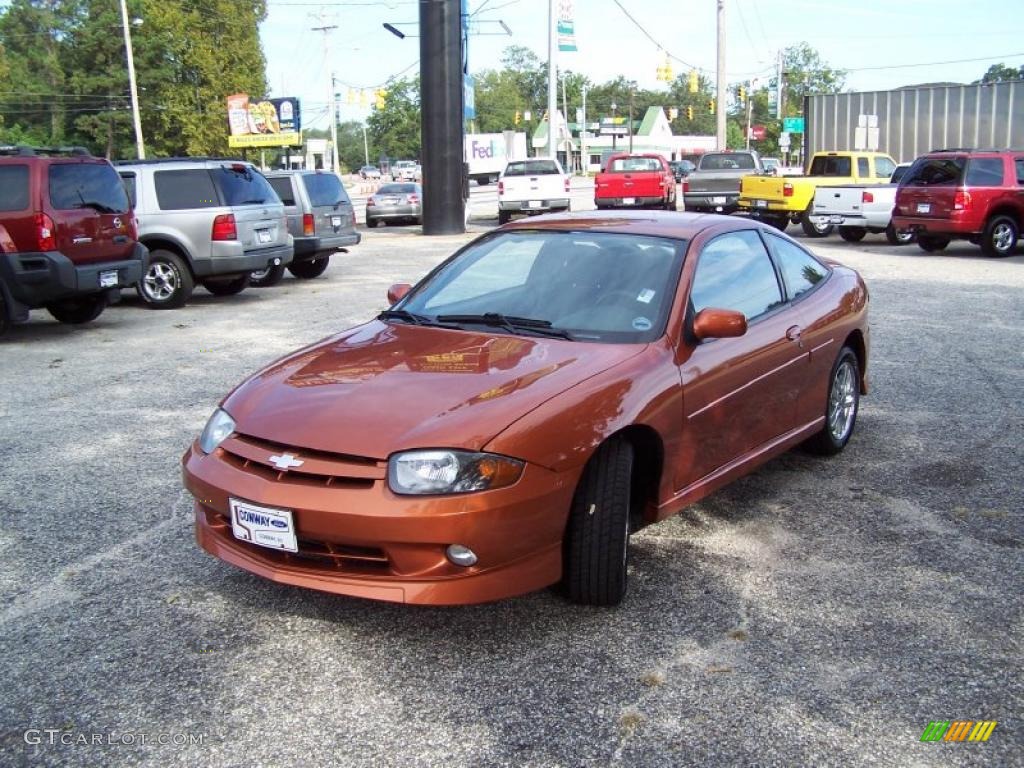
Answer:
(552, 387)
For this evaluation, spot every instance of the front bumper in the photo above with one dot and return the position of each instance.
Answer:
(525, 206)
(360, 539)
(38, 278)
(310, 246)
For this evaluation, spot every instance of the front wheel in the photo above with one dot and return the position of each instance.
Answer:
(932, 243)
(83, 309)
(227, 286)
(1000, 236)
(898, 238)
(840, 407)
(265, 278)
(811, 229)
(852, 234)
(307, 270)
(597, 537)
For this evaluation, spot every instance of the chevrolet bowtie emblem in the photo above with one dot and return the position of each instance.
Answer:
(286, 461)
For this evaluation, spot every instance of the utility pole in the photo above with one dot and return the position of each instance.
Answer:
(327, 29)
(779, 90)
(552, 70)
(720, 88)
(568, 137)
(631, 121)
(584, 158)
(750, 107)
(366, 147)
(136, 118)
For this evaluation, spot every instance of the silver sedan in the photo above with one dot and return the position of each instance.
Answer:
(402, 201)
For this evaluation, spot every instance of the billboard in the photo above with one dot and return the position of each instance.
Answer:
(269, 123)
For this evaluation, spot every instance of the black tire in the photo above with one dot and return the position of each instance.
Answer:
(843, 393)
(372, 223)
(504, 217)
(167, 282)
(1000, 237)
(811, 229)
(597, 536)
(852, 234)
(227, 286)
(81, 309)
(779, 222)
(898, 238)
(266, 278)
(670, 205)
(307, 270)
(5, 320)
(932, 243)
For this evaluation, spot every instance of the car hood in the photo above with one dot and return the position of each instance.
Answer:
(384, 387)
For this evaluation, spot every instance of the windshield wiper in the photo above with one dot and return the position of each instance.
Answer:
(96, 206)
(510, 323)
(401, 314)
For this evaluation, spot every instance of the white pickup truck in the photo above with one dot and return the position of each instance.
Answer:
(532, 186)
(858, 209)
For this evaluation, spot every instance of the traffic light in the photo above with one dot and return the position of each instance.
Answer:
(516, 118)
(694, 84)
(711, 106)
(673, 113)
(379, 95)
(689, 113)
(351, 97)
(743, 95)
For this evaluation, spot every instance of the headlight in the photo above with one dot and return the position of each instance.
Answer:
(426, 472)
(217, 429)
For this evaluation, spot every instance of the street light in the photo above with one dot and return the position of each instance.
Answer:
(136, 119)
(615, 133)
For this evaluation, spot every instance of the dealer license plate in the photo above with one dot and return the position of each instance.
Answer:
(531, 204)
(108, 279)
(629, 201)
(834, 219)
(335, 221)
(924, 207)
(265, 526)
(263, 236)
(718, 200)
(760, 203)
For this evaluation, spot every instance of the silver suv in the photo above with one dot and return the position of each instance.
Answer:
(206, 221)
(320, 219)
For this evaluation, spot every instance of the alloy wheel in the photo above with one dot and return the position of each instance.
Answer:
(161, 281)
(842, 402)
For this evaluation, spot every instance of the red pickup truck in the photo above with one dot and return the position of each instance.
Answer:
(636, 181)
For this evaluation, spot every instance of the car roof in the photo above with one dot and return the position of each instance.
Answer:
(677, 225)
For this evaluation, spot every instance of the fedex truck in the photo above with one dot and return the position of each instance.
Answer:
(487, 154)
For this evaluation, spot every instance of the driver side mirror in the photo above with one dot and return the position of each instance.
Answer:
(398, 291)
(719, 324)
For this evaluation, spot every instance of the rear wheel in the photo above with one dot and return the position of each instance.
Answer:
(779, 222)
(265, 278)
(811, 229)
(1000, 236)
(852, 234)
(932, 243)
(372, 223)
(504, 217)
(227, 286)
(167, 283)
(307, 270)
(5, 320)
(81, 309)
(898, 238)
(597, 537)
(840, 407)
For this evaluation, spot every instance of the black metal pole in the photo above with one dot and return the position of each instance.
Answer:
(441, 126)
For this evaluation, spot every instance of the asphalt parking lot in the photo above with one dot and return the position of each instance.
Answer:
(819, 612)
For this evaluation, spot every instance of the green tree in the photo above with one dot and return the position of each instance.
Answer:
(680, 97)
(350, 145)
(395, 128)
(999, 73)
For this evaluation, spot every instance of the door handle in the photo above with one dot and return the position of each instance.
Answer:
(793, 333)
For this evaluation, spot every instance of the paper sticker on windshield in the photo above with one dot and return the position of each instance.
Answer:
(641, 324)
(645, 296)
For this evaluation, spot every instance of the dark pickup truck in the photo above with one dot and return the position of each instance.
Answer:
(715, 185)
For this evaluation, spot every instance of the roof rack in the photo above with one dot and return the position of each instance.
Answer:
(977, 149)
(158, 160)
(24, 150)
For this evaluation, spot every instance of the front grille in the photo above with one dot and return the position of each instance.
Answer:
(318, 468)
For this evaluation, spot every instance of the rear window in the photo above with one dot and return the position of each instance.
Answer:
(824, 165)
(13, 187)
(185, 189)
(532, 168)
(634, 164)
(985, 172)
(325, 189)
(727, 162)
(243, 185)
(935, 172)
(397, 189)
(87, 185)
(898, 174)
(283, 186)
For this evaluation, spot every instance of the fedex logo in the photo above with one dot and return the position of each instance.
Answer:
(483, 150)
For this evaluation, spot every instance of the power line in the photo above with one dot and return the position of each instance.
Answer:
(933, 63)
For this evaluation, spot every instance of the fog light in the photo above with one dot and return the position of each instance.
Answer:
(461, 555)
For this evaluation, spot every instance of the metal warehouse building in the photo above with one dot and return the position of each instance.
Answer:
(911, 121)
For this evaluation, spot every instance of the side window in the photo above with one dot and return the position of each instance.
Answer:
(734, 272)
(800, 271)
(985, 172)
(283, 187)
(13, 187)
(884, 167)
(862, 168)
(182, 190)
(128, 179)
(1019, 164)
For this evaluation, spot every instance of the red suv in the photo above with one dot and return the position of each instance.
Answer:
(68, 238)
(973, 194)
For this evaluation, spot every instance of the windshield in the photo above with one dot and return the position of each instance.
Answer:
(612, 288)
(728, 161)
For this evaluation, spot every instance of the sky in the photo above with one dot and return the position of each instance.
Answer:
(883, 44)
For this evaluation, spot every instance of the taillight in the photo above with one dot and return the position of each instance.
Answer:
(308, 227)
(867, 197)
(501, 187)
(787, 190)
(961, 200)
(370, 202)
(566, 184)
(686, 186)
(224, 227)
(414, 199)
(44, 233)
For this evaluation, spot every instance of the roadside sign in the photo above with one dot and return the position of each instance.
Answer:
(784, 140)
(793, 124)
(757, 132)
(468, 98)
